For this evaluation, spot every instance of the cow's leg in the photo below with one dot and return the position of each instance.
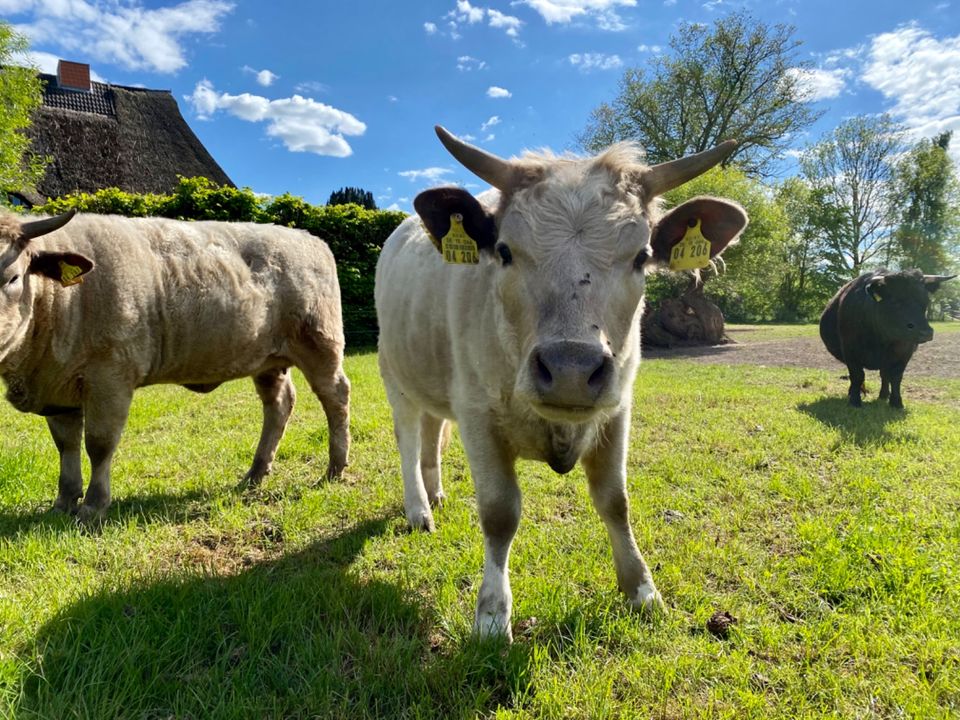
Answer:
(498, 504)
(606, 468)
(105, 413)
(896, 375)
(433, 431)
(406, 428)
(278, 396)
(857, 377)
(323, 368)
(67, 432)
(884, 384)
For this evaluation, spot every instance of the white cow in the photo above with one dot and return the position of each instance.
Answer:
(533, 350)
(165, 301)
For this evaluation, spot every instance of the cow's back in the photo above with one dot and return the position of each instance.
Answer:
(178, 298)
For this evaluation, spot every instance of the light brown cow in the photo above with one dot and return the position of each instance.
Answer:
(532, 350)
(93, 309)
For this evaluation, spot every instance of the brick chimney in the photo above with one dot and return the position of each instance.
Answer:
(73, 75)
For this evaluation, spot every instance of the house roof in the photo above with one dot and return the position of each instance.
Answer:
(116, 136)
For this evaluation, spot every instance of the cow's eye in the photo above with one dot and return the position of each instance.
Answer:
(12, 280)
(506, 257)
(641, 259)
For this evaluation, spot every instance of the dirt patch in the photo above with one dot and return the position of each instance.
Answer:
(938, 358)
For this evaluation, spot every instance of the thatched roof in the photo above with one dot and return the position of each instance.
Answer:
(116, 136)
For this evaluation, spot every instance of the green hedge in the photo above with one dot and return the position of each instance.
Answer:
(354, 234)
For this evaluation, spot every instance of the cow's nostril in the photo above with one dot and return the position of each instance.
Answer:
(544, 375)
(910, 325)
(599, 376)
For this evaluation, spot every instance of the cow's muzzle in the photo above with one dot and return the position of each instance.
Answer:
(570, 376)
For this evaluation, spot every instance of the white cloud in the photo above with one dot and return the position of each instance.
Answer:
(595, 61)
(494, 120)
(466, 14)
(489, 137)
(310, 86)
(508, 23)
(649, 48)
(120, 32)
(430, 174)
(466, 63)
(918, 74)
(498, 92)
(819, 84)
(565, 11)
(301, 124)
(430, 28)
(392, 99)
(264, 77)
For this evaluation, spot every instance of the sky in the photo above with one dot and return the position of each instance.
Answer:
(309, 97)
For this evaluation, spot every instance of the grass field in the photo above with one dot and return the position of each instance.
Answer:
(830, 534)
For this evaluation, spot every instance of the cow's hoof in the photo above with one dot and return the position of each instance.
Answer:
(493, 626)
(438, 499)
(66, 505)
(335, 471)
(90, 516)
(896, 404)
(421, 521)
(647, 599)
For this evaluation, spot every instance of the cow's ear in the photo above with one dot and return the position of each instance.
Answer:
(65, 267)
(875, 288)
(932, 282)
(437, 205)
(721, 221)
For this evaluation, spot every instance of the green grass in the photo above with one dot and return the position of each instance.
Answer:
(831, 534)
(781, 331)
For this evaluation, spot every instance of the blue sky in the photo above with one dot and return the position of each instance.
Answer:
(307, 97)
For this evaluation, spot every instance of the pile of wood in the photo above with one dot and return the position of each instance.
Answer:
(690, 319)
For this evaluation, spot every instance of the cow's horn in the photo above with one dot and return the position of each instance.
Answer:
(31, 230)
(938, 278)
(486, 166)
(666, 176)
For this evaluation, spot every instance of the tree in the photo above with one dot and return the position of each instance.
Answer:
(808, 282)
(357, 196)
(741, 80)
(20, 96)
(928, 203)
(851, 172)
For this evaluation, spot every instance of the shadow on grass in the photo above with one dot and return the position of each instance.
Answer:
(151, 507)
(866, 425)
(300, 636)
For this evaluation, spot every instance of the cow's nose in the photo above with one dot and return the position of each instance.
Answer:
(926, 335)
(569, 373)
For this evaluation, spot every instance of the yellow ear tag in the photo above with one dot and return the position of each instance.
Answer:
(876, 297)
(457, 247)
(692, 252)
(69, 274)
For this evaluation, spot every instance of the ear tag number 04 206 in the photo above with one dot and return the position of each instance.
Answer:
(457, 247)
(692, 252)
